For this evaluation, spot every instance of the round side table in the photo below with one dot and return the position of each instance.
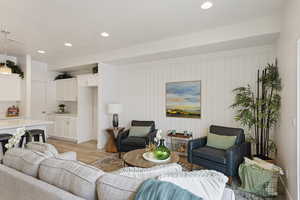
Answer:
(135, 159)
(111, 145)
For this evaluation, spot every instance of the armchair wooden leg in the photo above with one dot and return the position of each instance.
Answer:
(229, 180)
(191, 167)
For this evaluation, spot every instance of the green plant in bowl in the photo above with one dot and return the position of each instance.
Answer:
(162, 152)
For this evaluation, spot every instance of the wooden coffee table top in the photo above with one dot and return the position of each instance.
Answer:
(135, 158)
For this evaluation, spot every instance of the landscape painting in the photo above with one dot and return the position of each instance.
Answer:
(183, 99)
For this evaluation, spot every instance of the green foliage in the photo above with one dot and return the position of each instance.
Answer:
(14, 68)
(258, 109)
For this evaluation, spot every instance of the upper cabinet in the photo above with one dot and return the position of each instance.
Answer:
(66, 89)
(10, 87)
(88, 80)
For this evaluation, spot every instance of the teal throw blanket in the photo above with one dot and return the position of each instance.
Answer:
(153, 189)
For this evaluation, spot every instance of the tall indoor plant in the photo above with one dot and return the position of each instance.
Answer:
(258, 108)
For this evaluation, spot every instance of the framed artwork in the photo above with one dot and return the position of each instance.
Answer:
(183, 99)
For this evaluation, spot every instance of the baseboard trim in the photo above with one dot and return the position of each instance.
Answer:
(287, 193)
(62, 138)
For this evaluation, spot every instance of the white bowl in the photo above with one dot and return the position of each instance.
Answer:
(150, 157)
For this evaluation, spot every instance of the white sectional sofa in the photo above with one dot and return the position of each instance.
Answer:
(29, 174)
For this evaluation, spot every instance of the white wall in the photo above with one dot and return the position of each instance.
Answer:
(108, 92)
(141, 87)
(286, 136)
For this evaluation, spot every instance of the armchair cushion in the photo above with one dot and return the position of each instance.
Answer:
(139, 131)
(144, 123)
(221, 130)
(134, 141)
(210, 153)
(220, 141)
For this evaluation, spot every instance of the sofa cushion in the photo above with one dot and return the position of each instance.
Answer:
(45, 148)
(146, 173)
(24, 160)
(207, 184)
(210, 153)
(72, 176)
(116, 187)
(15, 185)
(134, 141)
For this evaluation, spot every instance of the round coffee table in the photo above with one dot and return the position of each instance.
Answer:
(135, 159)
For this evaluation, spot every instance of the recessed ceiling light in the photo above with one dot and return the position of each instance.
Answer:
(68, 44)
(207, 5)
(41, 51)
(104, 34)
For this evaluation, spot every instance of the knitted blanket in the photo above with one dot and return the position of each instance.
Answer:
(153, 189)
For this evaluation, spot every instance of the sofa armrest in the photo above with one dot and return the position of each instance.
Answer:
(67, 156)
(194, 144)
(151, 136)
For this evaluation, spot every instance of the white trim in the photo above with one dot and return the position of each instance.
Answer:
(298, 119)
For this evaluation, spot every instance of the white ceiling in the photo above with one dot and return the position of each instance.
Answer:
(47, 24)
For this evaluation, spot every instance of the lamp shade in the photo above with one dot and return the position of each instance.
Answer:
(114, 108)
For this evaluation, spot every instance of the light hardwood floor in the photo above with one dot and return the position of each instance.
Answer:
(87, 152)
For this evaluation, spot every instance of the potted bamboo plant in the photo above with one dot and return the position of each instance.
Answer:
(258, 109)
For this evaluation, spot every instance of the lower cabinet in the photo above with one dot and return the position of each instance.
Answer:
(65, 127)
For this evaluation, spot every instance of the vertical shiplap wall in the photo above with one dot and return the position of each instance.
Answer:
(142, 86)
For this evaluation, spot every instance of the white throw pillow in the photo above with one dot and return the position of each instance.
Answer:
(207, 184)
(44, 148)
(146, 173)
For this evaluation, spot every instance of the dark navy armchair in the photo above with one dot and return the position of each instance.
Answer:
(225, 161)
(126, 143)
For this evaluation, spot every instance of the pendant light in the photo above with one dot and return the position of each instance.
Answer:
(3, 68)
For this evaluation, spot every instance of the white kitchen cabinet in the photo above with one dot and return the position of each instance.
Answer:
(88, 80)
(65, 127)
(66, 89)
(51, 127)
(10, 87)
(60, 90)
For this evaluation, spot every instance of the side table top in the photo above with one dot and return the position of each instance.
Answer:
(135, 158)
(115, 129)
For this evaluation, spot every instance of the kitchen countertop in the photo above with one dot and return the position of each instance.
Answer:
(18, 123)
(66, 114)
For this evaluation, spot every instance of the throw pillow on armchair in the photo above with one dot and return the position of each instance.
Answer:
(139, 131)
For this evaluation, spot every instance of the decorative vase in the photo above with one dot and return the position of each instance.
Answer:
(162, 152)
(115, 121)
